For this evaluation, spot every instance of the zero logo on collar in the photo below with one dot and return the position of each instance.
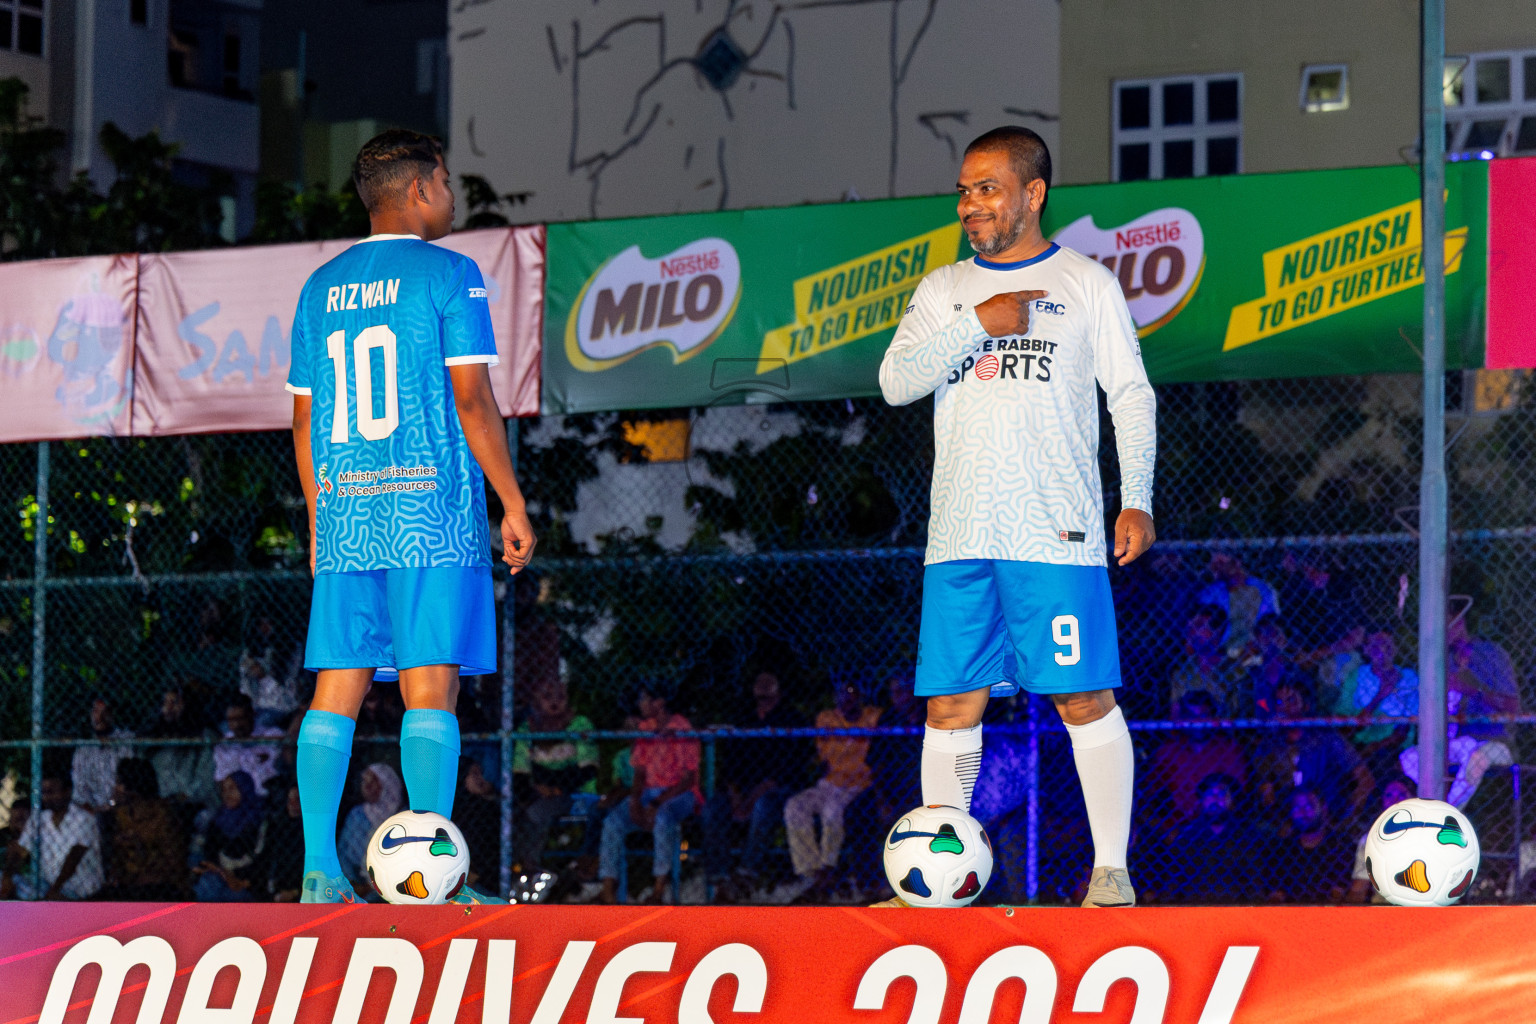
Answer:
(1159, 258)
(683, 300)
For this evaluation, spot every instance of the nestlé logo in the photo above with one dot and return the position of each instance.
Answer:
(683, 299)
(1158, 258)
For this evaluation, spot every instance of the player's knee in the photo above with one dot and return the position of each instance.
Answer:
(955, 711)
(1084, 708)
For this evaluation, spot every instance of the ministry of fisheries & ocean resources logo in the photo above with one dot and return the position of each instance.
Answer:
(682, 300)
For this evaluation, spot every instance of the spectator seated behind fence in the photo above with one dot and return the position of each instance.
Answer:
(477, 812)
(848, 775)
(1395, 790)
(894, 785)
(1319, 599)
(663, 795)
(1214, 857)
(1377, 687)
(1269, 662)
(548, 774)
(285, 849)
(1244, 598)
(1310, 864)
(755, 777)
(383, 795)
(93, 770)
(69, 846)
(272, 702)
(227, 850)
(1206, 666)
(259, 761)
(147, 856)
(1470, 749)
(1318, 759)
(1183, 762)
(184, 772)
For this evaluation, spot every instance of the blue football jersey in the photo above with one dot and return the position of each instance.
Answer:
(376, 330)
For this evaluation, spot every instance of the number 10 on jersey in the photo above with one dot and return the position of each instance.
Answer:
(373, 428)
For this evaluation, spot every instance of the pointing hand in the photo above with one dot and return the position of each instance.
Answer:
(1007, 314)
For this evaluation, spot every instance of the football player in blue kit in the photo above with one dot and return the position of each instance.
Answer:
(396, 433)
(1014, 344)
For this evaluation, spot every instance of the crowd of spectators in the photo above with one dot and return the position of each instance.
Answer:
(204, 805)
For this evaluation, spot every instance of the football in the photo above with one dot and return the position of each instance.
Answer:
(938, 856)
(417, 857)
(1422, 853)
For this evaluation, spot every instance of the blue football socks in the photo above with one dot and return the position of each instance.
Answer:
(325, 748)
(429, 759)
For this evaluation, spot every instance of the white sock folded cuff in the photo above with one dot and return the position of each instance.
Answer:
(1099, 733)
(952, 741)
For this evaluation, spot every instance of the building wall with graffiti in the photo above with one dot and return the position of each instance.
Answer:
(670, 106)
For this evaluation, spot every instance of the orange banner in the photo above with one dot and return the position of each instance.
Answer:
(489, 965)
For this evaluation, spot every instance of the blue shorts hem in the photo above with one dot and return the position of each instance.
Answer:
(966, 686)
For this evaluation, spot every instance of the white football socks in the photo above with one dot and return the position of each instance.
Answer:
(951, 762)
(1106, 767)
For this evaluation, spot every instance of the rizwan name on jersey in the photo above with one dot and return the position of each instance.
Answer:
(367, 294)
(1019, 358)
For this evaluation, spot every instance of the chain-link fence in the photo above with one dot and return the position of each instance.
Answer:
(710, 557)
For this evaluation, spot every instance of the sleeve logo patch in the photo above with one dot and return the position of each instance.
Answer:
(479, 293)
(1074, 536)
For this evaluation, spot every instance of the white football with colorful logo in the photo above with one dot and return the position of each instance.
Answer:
(1422, 853)
(417, 857)
(938, 856)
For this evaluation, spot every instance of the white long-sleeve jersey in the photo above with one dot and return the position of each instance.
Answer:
(1016, 419)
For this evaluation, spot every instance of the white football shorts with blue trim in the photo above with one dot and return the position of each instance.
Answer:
(1009, 625)
(404, 618)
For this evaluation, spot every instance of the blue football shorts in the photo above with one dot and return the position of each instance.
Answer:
(1010, 625)
(404, 618)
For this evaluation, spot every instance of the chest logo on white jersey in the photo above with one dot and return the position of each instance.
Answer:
(683, 300)
(1158, 257)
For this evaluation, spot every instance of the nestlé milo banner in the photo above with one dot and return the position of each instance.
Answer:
(1252, 276)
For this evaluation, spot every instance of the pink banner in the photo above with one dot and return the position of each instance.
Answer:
(66, 347)
(214, 329)
(1511, 264)
(214, 337)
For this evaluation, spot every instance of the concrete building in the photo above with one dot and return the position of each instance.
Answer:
(183, 68)
(1227, 86)
(365, 66)
(671, 106)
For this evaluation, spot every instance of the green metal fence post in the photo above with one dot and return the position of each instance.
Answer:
(39, 650)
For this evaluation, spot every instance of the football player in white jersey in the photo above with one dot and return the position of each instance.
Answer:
(1014, 345)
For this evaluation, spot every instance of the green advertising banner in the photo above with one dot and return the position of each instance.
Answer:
(1252, 276)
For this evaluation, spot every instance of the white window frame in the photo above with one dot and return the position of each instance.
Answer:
(1324, 106)
(15, 9)
(1460, 117)
(1199, 132)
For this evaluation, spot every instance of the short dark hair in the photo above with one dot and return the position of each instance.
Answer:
(389, 162)
(242, 701)
(1211, 613)
(1027, 152)
(137, 776)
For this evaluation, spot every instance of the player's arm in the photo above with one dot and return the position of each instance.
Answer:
(487, 436)
(306, 460)
(926, 350)
(1133, 407)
